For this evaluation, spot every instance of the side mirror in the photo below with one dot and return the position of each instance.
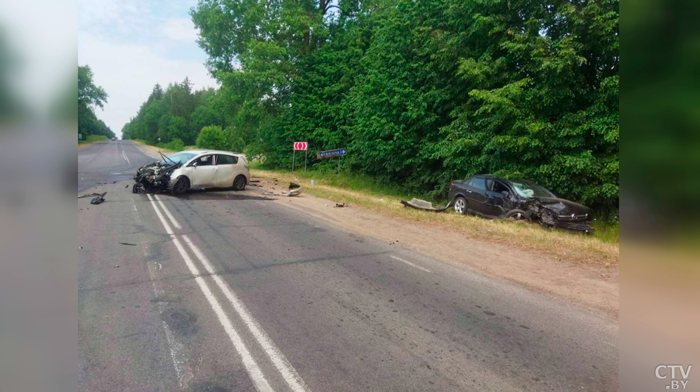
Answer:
(505, 193)
(194, 164)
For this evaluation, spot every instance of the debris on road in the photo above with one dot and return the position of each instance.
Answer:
(424, 205)
(98, 199)
(84, 195)
(127, 243)
(294, 190)
(341, 205)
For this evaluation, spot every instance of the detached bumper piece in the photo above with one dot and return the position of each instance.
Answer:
(423, 205)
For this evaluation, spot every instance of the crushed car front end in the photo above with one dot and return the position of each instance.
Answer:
(154, 177)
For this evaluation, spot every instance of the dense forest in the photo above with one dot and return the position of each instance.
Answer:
(90, 97)
(420, 92)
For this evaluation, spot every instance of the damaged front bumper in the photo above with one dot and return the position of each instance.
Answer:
(154, 177)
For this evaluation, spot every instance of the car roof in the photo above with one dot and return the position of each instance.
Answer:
(200, 152)
(491, 176)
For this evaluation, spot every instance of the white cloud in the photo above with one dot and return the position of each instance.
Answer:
(178, 29)
(128, 72)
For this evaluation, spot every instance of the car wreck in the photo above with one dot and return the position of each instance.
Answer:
(193, 169)
(494, 197)
(155, 177)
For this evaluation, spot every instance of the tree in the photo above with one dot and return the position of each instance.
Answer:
(90, 96)
(88, 93)
(213, 137)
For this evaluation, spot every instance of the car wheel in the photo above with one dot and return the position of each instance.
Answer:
(518, 215)
(460, 205)
(239, 183)
(181, 186)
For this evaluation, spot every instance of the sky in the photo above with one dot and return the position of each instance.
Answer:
(131, 45)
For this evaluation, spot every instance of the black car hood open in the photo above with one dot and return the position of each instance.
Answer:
(563, 206)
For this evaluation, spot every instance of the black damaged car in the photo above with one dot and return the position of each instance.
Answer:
(494, 197)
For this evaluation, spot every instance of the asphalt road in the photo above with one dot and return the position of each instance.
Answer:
(232, 291)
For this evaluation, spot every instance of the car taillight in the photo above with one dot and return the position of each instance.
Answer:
(452, 183)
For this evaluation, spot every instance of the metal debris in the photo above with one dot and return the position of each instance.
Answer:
(424, 205)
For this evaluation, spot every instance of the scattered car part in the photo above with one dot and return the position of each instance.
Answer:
(295, 190)
(98, 199)
(424, 205)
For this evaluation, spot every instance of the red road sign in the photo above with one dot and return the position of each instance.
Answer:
(301, 146)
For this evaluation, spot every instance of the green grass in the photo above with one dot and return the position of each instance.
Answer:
(605, 230)
(355, 182)
(93, 138)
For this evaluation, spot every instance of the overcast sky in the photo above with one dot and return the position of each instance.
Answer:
(133, 44)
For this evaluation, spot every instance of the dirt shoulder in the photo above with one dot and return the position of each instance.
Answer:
(484, 246)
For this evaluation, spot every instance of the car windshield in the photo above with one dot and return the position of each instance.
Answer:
(180, 157)
(530, 189)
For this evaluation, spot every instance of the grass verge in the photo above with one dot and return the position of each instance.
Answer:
(365, 192)
(91, 139)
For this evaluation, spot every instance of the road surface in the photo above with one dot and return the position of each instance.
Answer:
(234, 291)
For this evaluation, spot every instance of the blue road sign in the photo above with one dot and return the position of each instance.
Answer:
(331, 153)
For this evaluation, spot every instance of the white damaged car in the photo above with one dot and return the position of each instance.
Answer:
(194, 169)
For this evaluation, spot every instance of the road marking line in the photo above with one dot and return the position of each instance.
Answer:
(177, 350)
(167, 212)
(409, 263)
(290, 375)
(251, 366)
(124, 155)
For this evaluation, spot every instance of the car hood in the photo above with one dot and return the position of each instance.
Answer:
(563, 206)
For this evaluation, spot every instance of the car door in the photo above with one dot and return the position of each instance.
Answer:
(203, 173)
(476, 194)
(495, 198)
(227, 165)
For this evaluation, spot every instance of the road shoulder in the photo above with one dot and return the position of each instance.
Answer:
(594, 287)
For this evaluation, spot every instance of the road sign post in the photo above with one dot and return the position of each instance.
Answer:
(339, 152)
(299, 146)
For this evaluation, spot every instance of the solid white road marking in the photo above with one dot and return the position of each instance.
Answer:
(177, 350)
(409, 263)
(251, 366)
(124, 155)
(293, 379)
(167, 212)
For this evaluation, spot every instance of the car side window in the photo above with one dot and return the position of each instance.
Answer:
(499, 187)
(226, 160)
(478, 183)
(489, 184)
(205, 160)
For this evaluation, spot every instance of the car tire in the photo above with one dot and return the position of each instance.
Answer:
(239, 183)
(518, 215)
(181, 186)
(460, 206)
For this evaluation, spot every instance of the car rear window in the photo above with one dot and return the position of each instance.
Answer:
(478, 183)
(226, 160)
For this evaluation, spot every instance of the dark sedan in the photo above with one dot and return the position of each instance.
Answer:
(495, 197)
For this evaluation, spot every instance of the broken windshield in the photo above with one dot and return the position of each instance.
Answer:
(180, 157)
(530, 189)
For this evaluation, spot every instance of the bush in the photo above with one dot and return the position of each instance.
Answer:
(175, 145)
(212, 137)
